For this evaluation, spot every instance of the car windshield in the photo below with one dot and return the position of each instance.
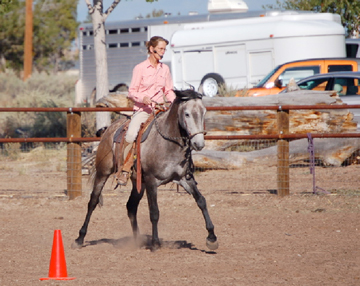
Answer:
(315, 84)
(298, 73)
(265, 79)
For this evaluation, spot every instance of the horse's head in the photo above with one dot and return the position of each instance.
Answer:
(191, 114)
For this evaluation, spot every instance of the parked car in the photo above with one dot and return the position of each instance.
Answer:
(278, 78)
(347, 85)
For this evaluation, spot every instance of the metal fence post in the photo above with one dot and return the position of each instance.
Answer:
(283, 177)
(74, 184)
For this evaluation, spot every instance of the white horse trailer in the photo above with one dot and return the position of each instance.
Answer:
(239, 53)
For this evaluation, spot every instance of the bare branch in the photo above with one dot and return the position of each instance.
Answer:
(111, 8)
(90, 7)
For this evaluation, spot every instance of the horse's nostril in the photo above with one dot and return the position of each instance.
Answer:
(198, 146)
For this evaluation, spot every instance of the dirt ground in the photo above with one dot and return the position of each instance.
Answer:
(301, 239)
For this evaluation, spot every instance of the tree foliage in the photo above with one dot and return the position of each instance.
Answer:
(347, 9)
(155, 13)
(54, 29)
(4, 6)
(12, 23)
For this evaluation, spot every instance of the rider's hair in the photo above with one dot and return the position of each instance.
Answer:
(154, 41)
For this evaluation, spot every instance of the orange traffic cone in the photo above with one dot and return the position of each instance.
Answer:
(57, 270)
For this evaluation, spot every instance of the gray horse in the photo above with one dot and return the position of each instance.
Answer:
(165, 157)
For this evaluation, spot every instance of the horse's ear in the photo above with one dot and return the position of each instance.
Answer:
(191, 86)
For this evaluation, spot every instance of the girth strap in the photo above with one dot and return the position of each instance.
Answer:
(138, 163)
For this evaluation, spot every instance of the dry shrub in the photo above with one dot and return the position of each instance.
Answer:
(11, 151)
(40, 90)
(225, 91)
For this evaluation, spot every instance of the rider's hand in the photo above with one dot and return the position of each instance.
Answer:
(147, 100)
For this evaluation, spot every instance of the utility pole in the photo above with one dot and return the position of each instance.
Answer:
(28, 40)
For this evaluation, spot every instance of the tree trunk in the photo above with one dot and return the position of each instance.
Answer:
(330, 151)
(102, 80)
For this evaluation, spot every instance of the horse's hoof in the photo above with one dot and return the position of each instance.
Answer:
(155, 247)
(76, 245)
(212, 245)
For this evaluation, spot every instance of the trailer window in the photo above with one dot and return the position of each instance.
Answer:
(112, 32)
(87, 47)
(351, 50)
(124, 31)
(135, 44)
(124, 45)
(91, 33)
(84, 33)
(113, 45)
(135, 30)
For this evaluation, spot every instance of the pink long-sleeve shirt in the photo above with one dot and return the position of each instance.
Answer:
(154, 82)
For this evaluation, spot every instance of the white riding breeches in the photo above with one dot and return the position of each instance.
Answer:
(134, 126)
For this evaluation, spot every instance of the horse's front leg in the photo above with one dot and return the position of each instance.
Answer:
(133, 204)
(151, 192)
(190, 186)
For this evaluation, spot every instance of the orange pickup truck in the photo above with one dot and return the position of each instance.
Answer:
(279, 77)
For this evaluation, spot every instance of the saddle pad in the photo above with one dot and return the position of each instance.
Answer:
(147, 131)
(118, 133)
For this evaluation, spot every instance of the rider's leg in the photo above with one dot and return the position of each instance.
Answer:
(127, 148)
(131, 134)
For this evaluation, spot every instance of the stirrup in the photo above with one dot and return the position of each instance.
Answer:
(123, 178)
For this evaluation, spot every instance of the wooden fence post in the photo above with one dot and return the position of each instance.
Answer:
(74, 184)
(283, 177)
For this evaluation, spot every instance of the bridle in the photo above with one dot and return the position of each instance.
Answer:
(176, 140)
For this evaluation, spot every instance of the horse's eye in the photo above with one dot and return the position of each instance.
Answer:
(187, 115)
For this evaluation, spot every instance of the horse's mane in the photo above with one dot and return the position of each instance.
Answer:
(187, 94)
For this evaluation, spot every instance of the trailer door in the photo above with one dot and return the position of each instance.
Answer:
(260, 63)
(230, 63)
(197, 63)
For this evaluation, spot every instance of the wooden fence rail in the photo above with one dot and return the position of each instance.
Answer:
(74, 139)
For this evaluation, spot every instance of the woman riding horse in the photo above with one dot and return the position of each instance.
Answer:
(150, 84)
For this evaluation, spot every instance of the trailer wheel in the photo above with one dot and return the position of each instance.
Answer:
(211, 84)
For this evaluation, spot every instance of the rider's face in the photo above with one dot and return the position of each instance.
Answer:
(160, 48)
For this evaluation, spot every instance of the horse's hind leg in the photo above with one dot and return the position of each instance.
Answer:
(132, 207)
(190, 186)
(99, 183)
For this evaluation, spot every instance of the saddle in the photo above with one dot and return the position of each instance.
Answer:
(119, 139)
